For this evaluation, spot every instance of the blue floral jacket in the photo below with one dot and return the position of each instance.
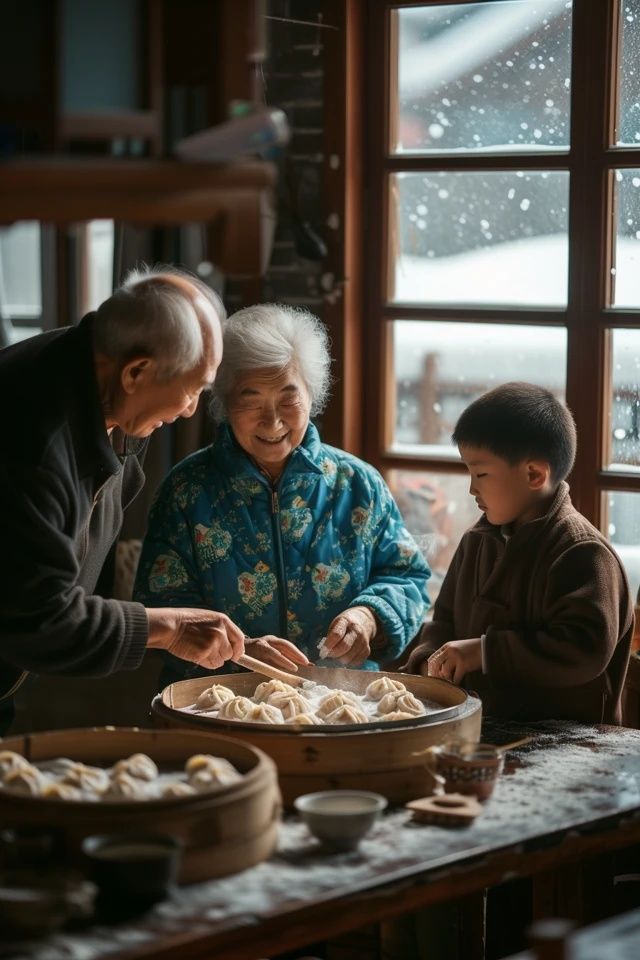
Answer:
(284, 559)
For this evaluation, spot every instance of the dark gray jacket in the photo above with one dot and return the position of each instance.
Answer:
(63, 486)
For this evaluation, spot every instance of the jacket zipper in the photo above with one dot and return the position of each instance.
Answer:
(85, 533)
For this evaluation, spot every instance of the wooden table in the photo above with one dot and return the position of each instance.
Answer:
(571, 795)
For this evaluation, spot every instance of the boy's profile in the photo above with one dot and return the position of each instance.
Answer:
(534, 612)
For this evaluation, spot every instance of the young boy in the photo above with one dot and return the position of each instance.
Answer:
(534, 613)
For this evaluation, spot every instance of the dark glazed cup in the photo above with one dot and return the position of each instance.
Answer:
(132, 871)
(465, 767)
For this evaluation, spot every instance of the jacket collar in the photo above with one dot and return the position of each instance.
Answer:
(559, 507)
(306, 458)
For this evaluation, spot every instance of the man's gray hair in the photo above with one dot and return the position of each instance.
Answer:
(277, 336)
(153, 314)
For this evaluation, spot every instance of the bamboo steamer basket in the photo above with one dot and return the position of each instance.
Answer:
(378, 756)
(223, 831)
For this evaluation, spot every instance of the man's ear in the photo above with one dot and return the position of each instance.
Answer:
(538, 473)
(138, 373)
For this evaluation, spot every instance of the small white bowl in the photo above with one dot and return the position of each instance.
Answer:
(340, 818)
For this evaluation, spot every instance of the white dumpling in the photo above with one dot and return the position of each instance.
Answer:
(123, 786)
(304, 720)
(61, 791)
(264, 690)
(92, 779)
(138, 765)
(217, 772)
(27, 780)
(11, 761)
(347, 713)
(290, 703)
(265, 713)
(336, 699)
(213, 697)
(236, 709)
(177, 788)
(398, 715)
(377, 689)
(405, 702)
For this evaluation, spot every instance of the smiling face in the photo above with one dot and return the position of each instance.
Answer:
(507, 493)
(268, 412)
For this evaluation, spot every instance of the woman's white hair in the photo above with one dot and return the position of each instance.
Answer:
(276, 336)
(154, 314)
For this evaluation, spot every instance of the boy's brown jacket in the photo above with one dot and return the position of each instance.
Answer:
(554, 603)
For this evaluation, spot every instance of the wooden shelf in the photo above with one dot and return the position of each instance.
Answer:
(236, 200)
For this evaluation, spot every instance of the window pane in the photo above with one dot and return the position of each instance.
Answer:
(626, 265)
(100, 249)
(441, 367)
(480, 238)
(628, 132)
(624, 404)
(20, 282)
(622, 513)
(437, 509)
(483, 76)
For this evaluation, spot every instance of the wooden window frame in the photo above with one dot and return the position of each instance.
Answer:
(591, 161)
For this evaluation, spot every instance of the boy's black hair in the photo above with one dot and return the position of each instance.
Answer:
(521, 421)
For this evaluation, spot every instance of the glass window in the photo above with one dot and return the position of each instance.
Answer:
(628, 132)
(437, 510)
(480, 238)
(100, 262)
(623, 450)
(483, 76)
(626, 265)
(622, 527)
(439, 368)
(20, 281)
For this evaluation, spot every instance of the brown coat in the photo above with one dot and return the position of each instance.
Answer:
(554, 603)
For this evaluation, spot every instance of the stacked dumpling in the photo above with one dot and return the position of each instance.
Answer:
(339, 698)
(213, 697)
(379, 688)
(290, 704)
(403, 702)
(205, 772)
(130, 778)
(347, 713)
(266, 689)
(264, 713)
(238, 708)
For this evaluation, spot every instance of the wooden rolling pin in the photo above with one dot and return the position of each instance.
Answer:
(259, 667)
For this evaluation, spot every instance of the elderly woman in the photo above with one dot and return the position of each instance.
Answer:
(300, 544)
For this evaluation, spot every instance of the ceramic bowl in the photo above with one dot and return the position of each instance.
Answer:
(340, 818)
(135, 870)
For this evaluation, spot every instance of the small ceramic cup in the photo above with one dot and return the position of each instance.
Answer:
(133, 870)
(465, 767)
(340, 818)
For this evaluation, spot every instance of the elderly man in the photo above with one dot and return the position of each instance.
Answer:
(78, 406)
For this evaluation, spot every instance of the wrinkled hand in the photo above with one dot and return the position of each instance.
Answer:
(454, 660)
(349, 636)
(276, 651)
(205, 637)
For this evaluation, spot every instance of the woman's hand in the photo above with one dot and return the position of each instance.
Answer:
(276, 651)
(205, 637)
(349, 636)
(455, 659)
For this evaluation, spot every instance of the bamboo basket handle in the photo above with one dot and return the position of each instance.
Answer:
(259, 667)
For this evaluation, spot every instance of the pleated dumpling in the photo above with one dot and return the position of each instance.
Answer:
(61, 791)
(177, 788)
(206, 772)
(290, 703)
(304, 720)
(11, 761)
(85, 778)
(339, 698)
(347, 713)
(28, 781)
(138, 765)
(237, 709)
(123, 786)
(213, 697)
(405, 702)
(377, 689)
(265, 713)
(398, 715)
(264, 690)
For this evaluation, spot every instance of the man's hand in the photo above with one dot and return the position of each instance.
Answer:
(204, 637)
(276, 651)
(454, 660)
(349, 636)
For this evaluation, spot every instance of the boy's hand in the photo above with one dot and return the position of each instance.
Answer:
(453, 660)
